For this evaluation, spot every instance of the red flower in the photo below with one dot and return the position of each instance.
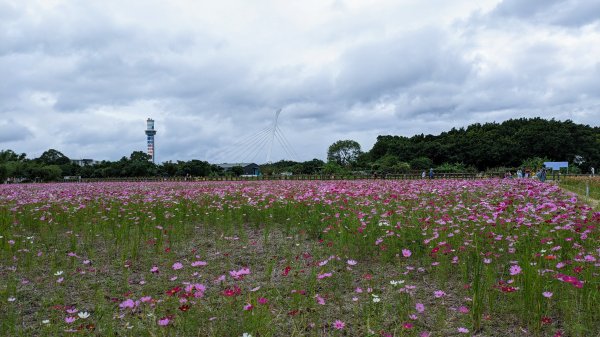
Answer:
(173, 291)
(184, 308)
(546, 320)
(230, 292)
(286, 271)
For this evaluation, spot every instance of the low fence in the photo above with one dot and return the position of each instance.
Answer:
(468, 176)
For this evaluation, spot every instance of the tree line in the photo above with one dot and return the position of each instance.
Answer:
(516, 143)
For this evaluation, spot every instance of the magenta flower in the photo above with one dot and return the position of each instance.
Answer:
(515, 270)
(262, 300)
(339, 325)
(248, 307)
(164, 321)
(406, 253)
(177, 265)
(154, 269)
(420, 307)
(70, 319)
(320, 300)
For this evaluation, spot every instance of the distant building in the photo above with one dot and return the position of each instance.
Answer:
(83, 162)
(250, 169)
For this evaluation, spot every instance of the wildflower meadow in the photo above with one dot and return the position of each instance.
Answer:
(419, 258)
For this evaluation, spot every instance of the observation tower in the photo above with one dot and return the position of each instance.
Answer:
(150, 132)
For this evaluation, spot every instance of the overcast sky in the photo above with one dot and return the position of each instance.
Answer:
(82, 76)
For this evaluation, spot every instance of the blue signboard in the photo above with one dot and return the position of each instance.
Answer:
(556, 165)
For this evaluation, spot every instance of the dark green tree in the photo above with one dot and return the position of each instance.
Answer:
(53, 157)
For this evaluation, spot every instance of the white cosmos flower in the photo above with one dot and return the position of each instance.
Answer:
(46, 321)
(58, 273)
(83, 314)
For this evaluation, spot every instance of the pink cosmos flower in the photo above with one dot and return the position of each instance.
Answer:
(177, 265)
(70, 319)
(262, 300)
(439, 293)
(463, 310)
(547, 294)
(320, 300)
(463, 330)
(154, 269)
(425, 334)
(406, 253)
(351, 262)
(198, 263)
(164, 321)
(515, 270)
(128, 303)
(420, 307)
(339, 325)
(239, 274)
(248, 307)
(324, 275)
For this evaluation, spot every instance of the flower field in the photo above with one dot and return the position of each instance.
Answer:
(298, 258)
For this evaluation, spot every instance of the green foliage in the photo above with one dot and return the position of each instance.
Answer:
(53, 157)
(493, 145)
(3, 173)
(344, 152)
(421, 163)
(534, 163)
(237, 171)
(455, 168)
(333, 168)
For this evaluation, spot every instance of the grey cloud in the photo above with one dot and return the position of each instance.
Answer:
(558, 12)
(390, 66)
(11, 131)
(209, 88)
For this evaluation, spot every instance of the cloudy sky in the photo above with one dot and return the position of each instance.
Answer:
(83, 76)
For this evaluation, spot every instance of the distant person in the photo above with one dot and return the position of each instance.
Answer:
(543, 175)
(423, 175)
(431, 173)
(519, 174)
